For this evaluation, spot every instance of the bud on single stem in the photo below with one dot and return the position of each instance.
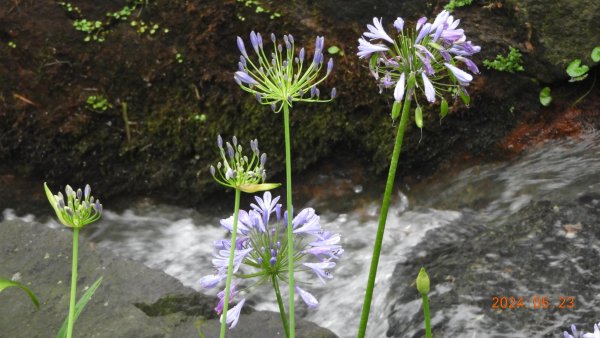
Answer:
(423, 282)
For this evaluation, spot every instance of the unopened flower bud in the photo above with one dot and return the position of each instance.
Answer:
(333, 93)
(87, 191)
(423, 282)
(213, 171)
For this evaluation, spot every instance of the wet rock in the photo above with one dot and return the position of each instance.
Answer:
(132, 301)
(544, 250)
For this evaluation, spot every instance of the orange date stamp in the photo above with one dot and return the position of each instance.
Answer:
(541, 302)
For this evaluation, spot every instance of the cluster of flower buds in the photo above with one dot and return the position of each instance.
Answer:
(79, 209)
(238, 171)
(261, 250)
(426, 58)
(283, 76)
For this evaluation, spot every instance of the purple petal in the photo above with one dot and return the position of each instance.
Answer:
(399, 90)
(245, 77)
(429, 91)
(307, 297)
(365, 48)
(233, 314)
(470, 64)
(423, 32)
(241, 47)
(420, 22)
(399, 24)
(462, 76)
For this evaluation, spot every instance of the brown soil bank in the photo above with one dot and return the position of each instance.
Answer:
(177, 85)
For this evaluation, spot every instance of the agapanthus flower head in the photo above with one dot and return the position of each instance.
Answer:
(239, 171)
(282, 76)
(76, 208)
(261, 249)
(428, 58)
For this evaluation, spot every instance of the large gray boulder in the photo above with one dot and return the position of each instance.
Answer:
(133, 300)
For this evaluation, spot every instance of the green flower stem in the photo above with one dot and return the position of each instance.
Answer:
(290, 239)
(73, 284)
(236, 210)
(385, 205)
(427, 316)
(280, 303)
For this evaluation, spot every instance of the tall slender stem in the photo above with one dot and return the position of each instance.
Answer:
(73, 284)
(236, 211)
(427, 316)
(290, 239)
(280, 303)
(385, 205)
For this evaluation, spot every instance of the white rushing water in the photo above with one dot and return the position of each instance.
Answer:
(180, 241)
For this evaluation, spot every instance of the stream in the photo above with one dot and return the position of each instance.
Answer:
(519, 228)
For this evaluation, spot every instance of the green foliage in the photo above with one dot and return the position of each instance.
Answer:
(97, 30)
(258, 7)
(179, 58)
(81, 303)
(94, 30)
(457, 3)
(333, 50)
(596, 54)
(12, 44)
(97, 103)
(6, 283)
(513, 62)
(443, 109)
(545, 96)
(577, 71)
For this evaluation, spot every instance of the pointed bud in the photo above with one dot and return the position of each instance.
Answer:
(241, 47)
(263, 159)
(280, 48)
(423, 282)
(274, 107)
(259, 39)
(79, 194)
(291, 38)
(230, 150)
(258, 98)
(301, 55)
(219, 141)
(254, 41)
(329, 66)
(87, 191)
(234, 139)
(213, 171)
(229, 174)
(333, 93)
(273, 38)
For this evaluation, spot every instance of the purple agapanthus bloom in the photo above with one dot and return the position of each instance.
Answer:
(261, 251)
(426, 59)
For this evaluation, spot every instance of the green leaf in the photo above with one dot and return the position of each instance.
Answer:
(252, 188)
(333, 50)
(443, 109)
(373, 61)
(81, 303)
(575, 69)
(6, 283)
(395, 110)
(596, 54)
(465, 98)
(545, 96)
(419, 117)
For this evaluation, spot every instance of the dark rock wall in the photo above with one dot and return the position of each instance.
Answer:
(176, 109)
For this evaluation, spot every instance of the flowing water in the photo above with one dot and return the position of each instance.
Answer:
(462, 206)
